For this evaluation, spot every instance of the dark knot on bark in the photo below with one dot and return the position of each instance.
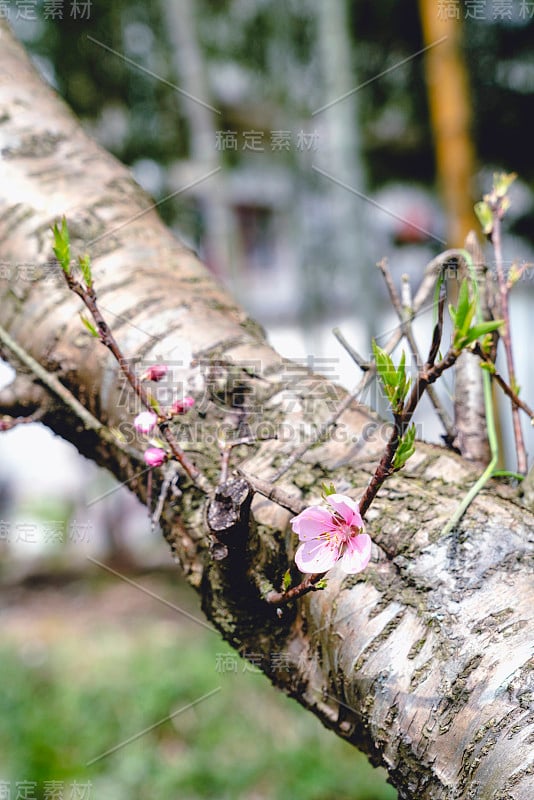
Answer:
(228, 517)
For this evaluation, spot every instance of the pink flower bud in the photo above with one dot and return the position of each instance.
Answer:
(154, 456)
(145, 422)
(155, 373)
(182, 406)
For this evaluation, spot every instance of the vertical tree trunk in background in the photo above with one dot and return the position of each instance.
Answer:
(450, 114)
(339, 154)
(189, 65)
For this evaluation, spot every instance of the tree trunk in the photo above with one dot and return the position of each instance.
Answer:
(219, 237)
(450, 114)
(424, 660)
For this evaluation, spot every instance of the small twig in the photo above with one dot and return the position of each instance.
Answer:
(430, 373)
(170, 475)
(54, 385)
(507, 389)
(307, 585)
(364, 365)
(438, 328)
(297, 454)
(194, 473)
(225, 464)
(7, 422)
(407, 331)
(426, 376)
(88, 296)
(506, 336)
(227, 447)
(406, 295)
(433, 269)
(274, 493)
(471, 439)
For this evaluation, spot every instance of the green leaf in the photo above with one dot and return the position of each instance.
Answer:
(514, 274)
(488, 366)
(485, 216)
(328, 489)
(321, 584)
(393, 378)
(463, 305)
(468, 318)
(85, 267)
(90, 327)
(502, 182)
(154, 403)
(384, 365)
(61, 245)
(286, 581)
(403, 384)
(405, 449)
(462, 317)
(481, 329)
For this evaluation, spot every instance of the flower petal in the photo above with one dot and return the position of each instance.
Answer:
(154, 456)
(347, 507)
(357, 553)
(145, 422)
(316, 556)
(311, 522)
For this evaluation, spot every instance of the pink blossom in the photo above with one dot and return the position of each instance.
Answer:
(154, 456)
(181, 406)
(154, 373)
(145, 422)
(331, 534)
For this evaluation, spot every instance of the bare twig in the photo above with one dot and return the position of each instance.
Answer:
(516, 400)
(364, 365)
(430, 373)
(88, 296)
(54, 385)
(506, 336)
(407, 331)
(274, 493)
(227, 447)
(307, 585)
(426, 289)
(427, 375)
(471, 438)
(7, 423)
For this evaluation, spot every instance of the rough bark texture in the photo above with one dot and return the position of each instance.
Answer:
(425, 660)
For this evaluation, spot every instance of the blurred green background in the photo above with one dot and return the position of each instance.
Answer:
(88, 665)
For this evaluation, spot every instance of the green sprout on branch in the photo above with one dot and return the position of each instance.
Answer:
(394, 379)
(462, 317)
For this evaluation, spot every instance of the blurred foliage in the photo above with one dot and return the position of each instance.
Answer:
(75, 687)
(273, 44)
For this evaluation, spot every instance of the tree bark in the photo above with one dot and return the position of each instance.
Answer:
(424, 660)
